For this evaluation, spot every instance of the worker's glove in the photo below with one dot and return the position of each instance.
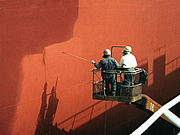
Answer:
(93, 62)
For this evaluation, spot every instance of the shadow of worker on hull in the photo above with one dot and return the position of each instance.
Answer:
(47, 113)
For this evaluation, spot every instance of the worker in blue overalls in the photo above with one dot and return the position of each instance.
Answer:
(108, 64)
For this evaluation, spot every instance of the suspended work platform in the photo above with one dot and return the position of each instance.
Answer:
(124, 93)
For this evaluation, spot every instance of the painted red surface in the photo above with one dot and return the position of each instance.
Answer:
(34, 35)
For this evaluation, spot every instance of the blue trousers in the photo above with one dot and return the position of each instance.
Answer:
(107, 81)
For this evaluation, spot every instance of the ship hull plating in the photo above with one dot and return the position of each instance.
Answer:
(43, 40)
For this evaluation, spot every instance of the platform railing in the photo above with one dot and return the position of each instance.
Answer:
(164, 110)
(129, 92)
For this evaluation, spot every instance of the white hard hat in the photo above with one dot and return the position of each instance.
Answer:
(128, 49)
(107, 52)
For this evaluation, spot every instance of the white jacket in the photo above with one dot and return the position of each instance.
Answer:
(128, 61)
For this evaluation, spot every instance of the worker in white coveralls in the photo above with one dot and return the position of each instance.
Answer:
(129, 62)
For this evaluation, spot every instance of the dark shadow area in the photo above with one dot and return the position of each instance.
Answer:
(26, 28)
(124, 119)
(47, 112)
(163, 90)
(46, 115)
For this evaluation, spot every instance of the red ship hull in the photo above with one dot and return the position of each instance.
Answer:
(42, 40)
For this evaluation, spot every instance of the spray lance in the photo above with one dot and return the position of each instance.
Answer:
(81, 59)
(77, 56)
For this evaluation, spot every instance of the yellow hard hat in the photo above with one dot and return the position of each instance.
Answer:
(107, 52)
(128, 49)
